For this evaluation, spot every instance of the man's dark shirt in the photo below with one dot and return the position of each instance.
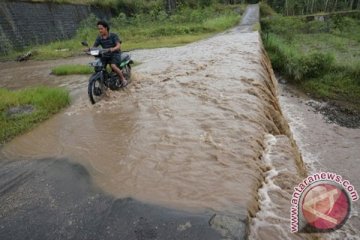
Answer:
(108, 42)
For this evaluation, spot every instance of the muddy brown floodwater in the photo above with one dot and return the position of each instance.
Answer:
(190, 132)
(200, 127)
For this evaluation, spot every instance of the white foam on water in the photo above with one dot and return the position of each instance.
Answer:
(267, 206)
(297, 125)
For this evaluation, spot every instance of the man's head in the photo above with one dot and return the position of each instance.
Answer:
(103, 27)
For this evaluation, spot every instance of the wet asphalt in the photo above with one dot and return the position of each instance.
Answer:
(56, 199)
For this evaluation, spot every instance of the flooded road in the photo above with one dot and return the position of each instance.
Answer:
(189, 131)
(199, 129)
(193, 131)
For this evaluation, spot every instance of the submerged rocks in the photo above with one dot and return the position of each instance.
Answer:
(335, 113)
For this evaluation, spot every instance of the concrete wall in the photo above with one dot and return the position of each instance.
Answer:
(24, 23)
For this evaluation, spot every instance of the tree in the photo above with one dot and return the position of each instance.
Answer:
(170, 5)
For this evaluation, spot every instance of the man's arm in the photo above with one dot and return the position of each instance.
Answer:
(97, 42)
(117, 43)
(116, 48)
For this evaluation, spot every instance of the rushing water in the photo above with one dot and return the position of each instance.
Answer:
(189, 131)
(325, 147)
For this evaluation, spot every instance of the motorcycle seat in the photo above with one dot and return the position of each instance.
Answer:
(124, 57)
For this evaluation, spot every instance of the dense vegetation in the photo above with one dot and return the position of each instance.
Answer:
(321, 56)
(132, 6)
(114, 4)
(22, 109)
(301, 7)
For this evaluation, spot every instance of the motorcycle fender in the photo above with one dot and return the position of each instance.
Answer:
(95, 76)
(123, 64)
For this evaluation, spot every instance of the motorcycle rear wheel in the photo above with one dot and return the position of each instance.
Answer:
(96, 90)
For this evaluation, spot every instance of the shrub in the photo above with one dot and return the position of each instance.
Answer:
(287, 27)
(266, 10)
(133, 7)
(315, 64)
(287, 60)
(318, 27)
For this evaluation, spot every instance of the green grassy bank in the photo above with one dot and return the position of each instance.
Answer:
(21, 110)
(71, 69)
(322, 57)
(146, 30)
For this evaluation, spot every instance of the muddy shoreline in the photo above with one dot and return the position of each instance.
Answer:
(341, 112)
(337, 113)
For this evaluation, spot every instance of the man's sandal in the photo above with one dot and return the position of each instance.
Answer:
(124, 83)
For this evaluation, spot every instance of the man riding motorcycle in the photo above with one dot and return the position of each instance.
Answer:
(112, 42)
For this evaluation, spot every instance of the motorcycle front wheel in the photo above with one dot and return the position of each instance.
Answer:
(96, 89)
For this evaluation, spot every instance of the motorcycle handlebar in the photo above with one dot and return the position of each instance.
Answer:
(101, 50)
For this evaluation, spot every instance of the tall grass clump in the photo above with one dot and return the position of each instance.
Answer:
(42, 101)
(68, 69)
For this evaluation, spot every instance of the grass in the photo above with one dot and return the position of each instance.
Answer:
(146, 30)
(322, 58)
(71, 69)
(44, 101)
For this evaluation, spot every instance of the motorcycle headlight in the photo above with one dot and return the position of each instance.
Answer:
(95, 52)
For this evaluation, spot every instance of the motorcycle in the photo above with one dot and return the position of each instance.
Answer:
(102, 79)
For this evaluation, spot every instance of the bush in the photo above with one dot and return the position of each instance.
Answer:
(322, 56)
(266, 10)
(355, 72)
(288, 61)
(316, 64)
(318, 27)
(287, 27)
(350, 70)
(133, 7)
